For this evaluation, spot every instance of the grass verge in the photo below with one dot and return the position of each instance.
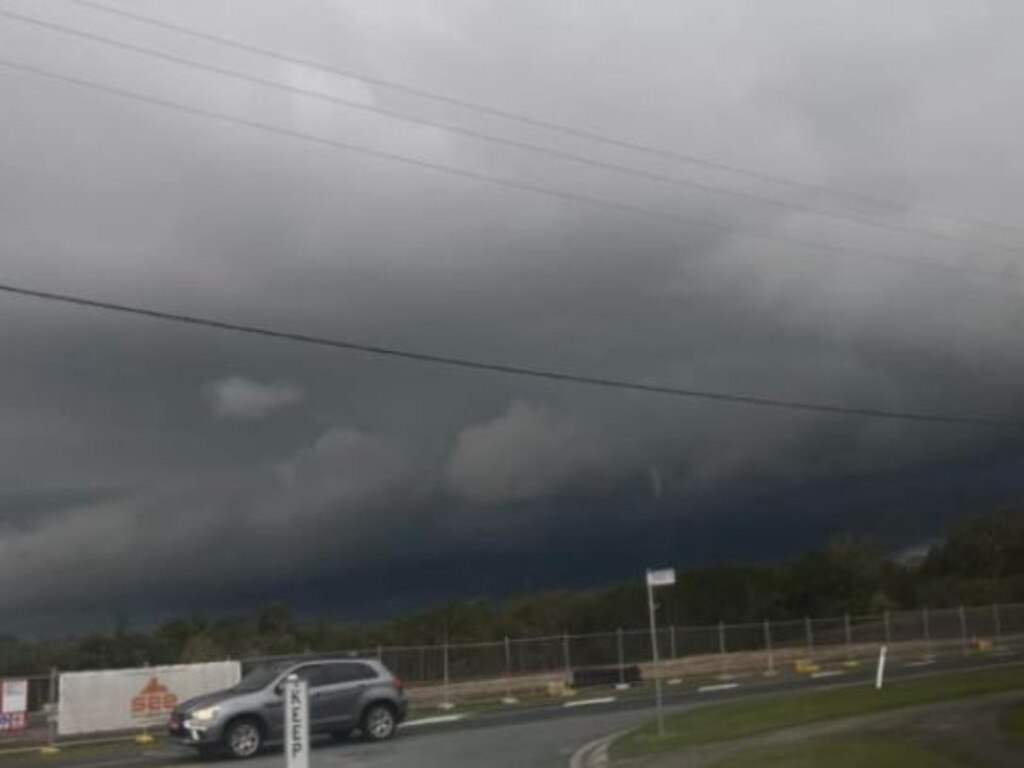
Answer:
(1012, 722)
(746, 718)
(842, 753)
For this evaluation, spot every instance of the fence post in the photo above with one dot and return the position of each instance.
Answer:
(447, 703)
(927, 631)
(672, 640)
(622, 667)
(51, 715)
(809, 632)
(721, 648)
(848, 633)
(888, 628)
(509, 698)
(998, 624)
(963, 628)
(423, 663)
(768, 647)
(567, 658)
(380, 653)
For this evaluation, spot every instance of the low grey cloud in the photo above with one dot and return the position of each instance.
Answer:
(242, 466)
(525, 452)
(236, 397)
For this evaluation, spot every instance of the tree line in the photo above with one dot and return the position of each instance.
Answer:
(980, 561)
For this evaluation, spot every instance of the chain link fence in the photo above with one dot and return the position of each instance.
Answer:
(457, 673)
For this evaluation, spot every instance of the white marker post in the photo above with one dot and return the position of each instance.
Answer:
(880, 675)
(663, 578)
(296, 722)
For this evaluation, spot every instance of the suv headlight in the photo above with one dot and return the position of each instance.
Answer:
(205, 714)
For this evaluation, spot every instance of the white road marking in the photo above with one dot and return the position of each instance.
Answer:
(921, 663)
(594, 754)
(717, 687)
(588, 702)
(826, 673)
(432, 720)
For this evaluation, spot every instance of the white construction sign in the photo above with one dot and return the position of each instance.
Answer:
(296, 722)
(123, 699)
(13, 704)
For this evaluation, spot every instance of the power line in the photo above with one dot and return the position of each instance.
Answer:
(502, 368)
(550, 125)
(596, 202)
(526, 146)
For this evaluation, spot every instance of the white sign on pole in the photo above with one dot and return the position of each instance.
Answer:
(665, 577)
(296, 722)
(13, 704)
(124, 699)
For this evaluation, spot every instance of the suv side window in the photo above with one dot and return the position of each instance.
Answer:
(348, 672)
(315, 675)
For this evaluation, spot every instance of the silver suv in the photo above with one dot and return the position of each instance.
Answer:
(344, 695)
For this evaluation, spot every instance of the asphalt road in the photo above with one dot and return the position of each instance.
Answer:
(528, 738)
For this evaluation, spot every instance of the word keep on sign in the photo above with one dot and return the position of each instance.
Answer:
(296, 722)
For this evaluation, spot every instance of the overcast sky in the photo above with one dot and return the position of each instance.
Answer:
(148, 469)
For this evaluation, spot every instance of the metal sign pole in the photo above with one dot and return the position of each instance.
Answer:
(654, 657)
(296, 722)
(662, 578)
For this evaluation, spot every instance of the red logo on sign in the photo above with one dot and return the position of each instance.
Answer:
(153, 699)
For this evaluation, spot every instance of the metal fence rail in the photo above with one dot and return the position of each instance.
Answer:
(451, 672)
(462, 671)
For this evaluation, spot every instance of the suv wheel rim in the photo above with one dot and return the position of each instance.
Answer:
(245, 739)
(380, 723)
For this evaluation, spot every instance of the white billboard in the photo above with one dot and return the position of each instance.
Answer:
(13, 704)
(122, 699)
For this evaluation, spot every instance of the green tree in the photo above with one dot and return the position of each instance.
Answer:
(202, 647)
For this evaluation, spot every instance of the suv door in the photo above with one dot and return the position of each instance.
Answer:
(319, 705)
(344, 683)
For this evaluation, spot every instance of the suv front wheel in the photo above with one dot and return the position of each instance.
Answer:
(243, 738)
(378, 722)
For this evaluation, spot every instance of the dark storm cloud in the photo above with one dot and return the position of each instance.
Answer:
(253, 467)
